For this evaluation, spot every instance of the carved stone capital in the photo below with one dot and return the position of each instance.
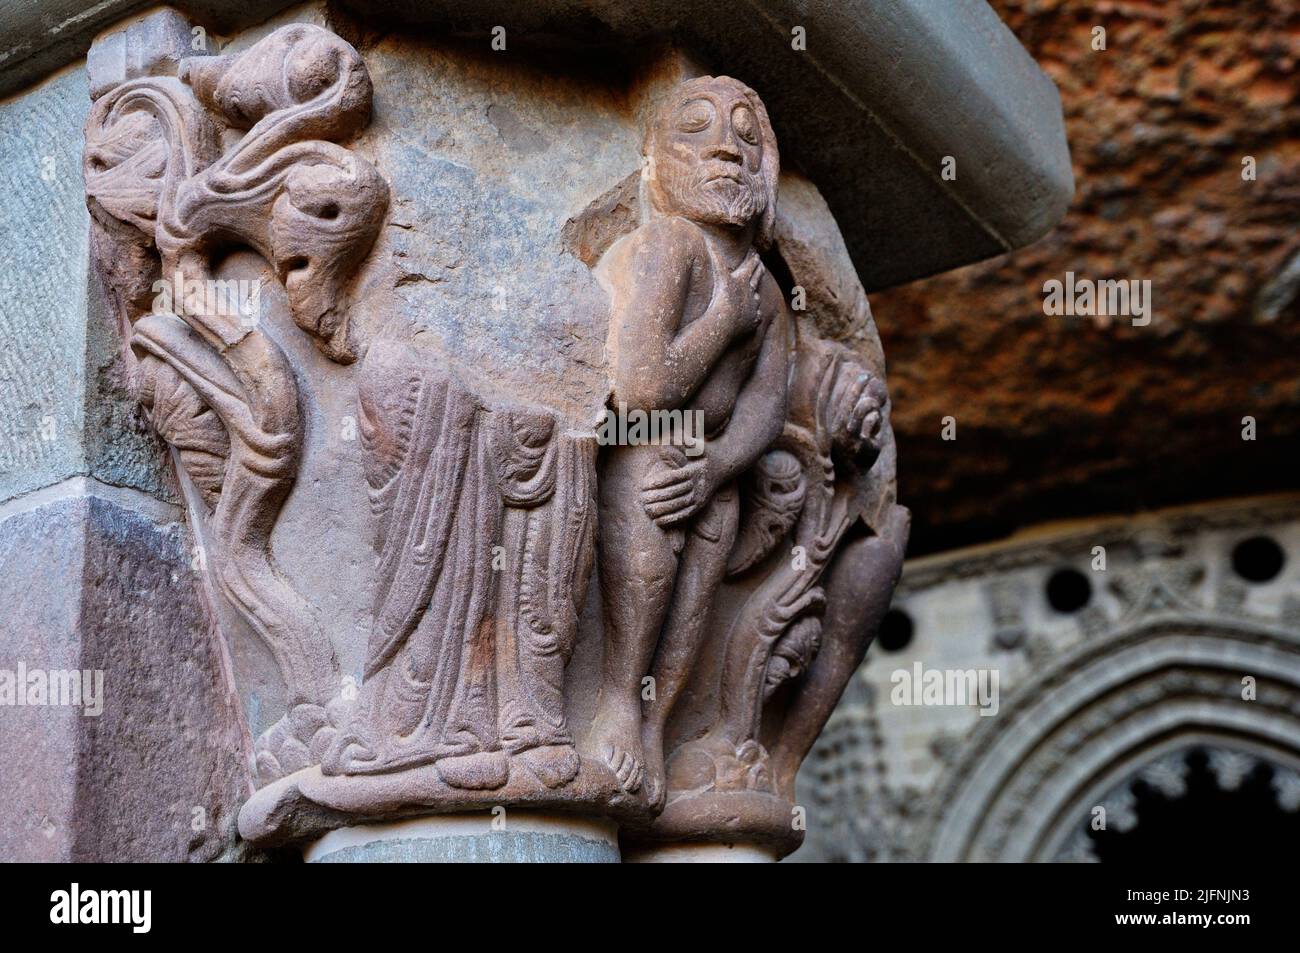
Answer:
(613, 552)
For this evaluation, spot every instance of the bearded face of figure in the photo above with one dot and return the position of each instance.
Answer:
(707, 156)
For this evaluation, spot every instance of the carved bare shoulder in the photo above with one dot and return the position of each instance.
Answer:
(664, 243)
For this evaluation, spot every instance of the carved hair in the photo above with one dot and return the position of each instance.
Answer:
(770, 170)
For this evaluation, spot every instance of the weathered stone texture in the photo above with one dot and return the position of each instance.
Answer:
(164, 769)
(41, 552)
(1072, 416)
(157, 775)
(42, 285)
(149, 46)
(63, 407)
(487, 157)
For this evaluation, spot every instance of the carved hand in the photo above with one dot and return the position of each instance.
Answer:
(675, 488)
(738, 306)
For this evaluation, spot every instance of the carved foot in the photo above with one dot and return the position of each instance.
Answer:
(298, 740)
(711, 764)
(616, 739)
(656, 788)
(481, 771)
(554, 765)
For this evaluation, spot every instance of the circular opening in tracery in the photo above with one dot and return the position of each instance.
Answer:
(896, 630)
(1068, 590)
(1258, 559)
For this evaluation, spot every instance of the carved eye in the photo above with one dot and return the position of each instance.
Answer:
(695, 116)
(746, 126)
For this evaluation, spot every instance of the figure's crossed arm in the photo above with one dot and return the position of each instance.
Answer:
(660, 363)
(760, 410)
(677, 486)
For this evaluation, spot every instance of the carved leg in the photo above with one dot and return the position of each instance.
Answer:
(638, 563)
(704, 562)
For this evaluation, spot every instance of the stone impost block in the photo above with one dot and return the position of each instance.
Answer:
(880, 94)
(153, 45)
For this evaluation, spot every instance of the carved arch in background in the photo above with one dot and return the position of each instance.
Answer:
(1166, 767)
(1099, 716)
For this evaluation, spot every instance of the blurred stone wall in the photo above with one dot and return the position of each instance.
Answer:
(1103, 653)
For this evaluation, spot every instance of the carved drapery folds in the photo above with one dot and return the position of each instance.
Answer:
(484, 538)
(734, 585)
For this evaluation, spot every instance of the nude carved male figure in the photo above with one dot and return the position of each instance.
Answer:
(697, 324)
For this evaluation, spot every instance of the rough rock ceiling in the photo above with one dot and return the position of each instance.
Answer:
(1062, 417)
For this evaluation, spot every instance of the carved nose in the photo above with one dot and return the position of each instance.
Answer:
(725, 151)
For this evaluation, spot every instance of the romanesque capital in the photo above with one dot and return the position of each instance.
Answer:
(637, 605)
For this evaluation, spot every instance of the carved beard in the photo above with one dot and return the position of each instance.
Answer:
(693, 192)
